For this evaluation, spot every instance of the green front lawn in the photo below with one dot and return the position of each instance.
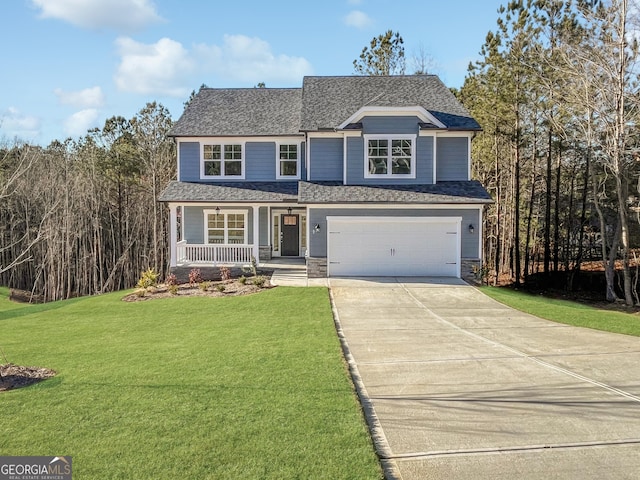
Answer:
(202, 388)
(568, 312)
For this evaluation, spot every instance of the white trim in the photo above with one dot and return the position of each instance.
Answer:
(435, 159)
(298, 163)
(256, 233)
(173, 234)
(352, 133)
(389, 174)
(387, 206)
(362, 219)
(280, 205)
(177, 159)
(417, 110)
(222, 176)
(480, 235)
(344, 160)
(225, 212)
(430, 132)
(277, 212)
(307, 151)
(469, 158)
(246, 139)
(274, 213)
(449, 133)
(327, 134)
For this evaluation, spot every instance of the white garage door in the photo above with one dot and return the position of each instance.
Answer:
(393, 246)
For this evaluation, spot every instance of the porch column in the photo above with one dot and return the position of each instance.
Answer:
(173, 234)
(256, 234)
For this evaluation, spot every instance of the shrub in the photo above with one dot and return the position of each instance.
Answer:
(259, 281)
(148, 279)
(173, 289)
(171, 279)
(242, 280)
(251, 269)
(221, 287)
(195, 276)
(225, 273)
(204, 286)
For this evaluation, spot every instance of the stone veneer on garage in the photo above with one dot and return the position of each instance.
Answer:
(317, 268)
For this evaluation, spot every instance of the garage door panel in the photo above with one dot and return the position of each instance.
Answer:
(381, 246)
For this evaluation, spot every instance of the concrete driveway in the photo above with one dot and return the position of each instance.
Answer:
(460, 387)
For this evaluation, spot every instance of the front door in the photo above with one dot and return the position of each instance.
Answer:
(290, 236)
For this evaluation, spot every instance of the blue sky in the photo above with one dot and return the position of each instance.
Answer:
(67, 65)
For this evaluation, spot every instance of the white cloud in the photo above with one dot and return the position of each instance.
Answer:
(159, 68)
(87, 98)
(14, 123)
(251, 60)
(78, 123)
(120, 15)
(358, 19)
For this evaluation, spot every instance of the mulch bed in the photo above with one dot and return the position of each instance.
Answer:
(17, 376)
(232, 288)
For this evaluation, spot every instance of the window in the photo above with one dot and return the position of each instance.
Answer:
(288, 164)
(303, 231)
(276, 233)
(222, 161)
(390, 156)
(225, 228)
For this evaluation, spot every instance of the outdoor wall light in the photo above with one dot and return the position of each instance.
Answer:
(316, 228)
(289, 210)
(471, 229)
(217, 210)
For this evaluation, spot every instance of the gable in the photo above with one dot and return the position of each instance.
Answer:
(329, 102)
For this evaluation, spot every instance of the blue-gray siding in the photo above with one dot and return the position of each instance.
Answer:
(194, 223)
(189, 154)
(260, 162)
(326, 159)
(318, 242)
(390, 125)
(452, 160)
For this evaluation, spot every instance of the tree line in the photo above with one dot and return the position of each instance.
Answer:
(81, 217)
(556, 92)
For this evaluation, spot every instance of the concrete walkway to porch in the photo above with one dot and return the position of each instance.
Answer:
(292, 272)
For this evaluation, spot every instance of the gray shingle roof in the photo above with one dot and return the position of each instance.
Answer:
(329, 101)
(325, 192)
(238, 192)
(323, 103)
(441, 192)
(241, 111)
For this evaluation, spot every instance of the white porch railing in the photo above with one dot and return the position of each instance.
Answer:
(213, 254)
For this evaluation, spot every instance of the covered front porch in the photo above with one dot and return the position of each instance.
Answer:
(235, 234)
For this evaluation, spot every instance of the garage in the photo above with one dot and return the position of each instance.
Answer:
(393, 246)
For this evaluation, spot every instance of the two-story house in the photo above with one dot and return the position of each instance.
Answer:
(362, 176)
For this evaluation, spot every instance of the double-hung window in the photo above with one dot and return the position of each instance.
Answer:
(226, 227)
(223, 160)
(288, 161)
(390, 156)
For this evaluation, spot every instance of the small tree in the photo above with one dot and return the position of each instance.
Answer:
(384, 56)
